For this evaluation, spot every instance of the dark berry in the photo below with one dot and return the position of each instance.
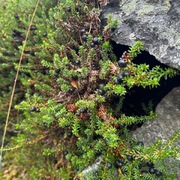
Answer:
(75, 78)
(119, 78)
(68, 9)
(94, 67)
(129, 157)
(122, 63)
(65, 152)
(57, 74)
(32, 108)
(121, 126)
(17, 40)
(99, 153)
(150, 164)
(45, 124)
(26, 52)
(109, 165)
(100, 92)
(77, 62)
(152, 170)
(83, 110)
(78, 114)
(77, 9)
(33, 27)
(113, 29)
(116, 81)
(38, 110)
(140, 166)
(71, 90)
(84, 37)
(124, 171)
(32, 53)
(126, 73)
(92, 45)
(119, 163)
(44, 34)
(95, 40)
(69, 134)
(140, 143)
(82, 31)
(158, 173)
(16, 33)
(55, 161)
(16, 16)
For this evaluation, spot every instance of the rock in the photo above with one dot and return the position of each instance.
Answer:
(166, 124)
(155, 23)
(90, 170)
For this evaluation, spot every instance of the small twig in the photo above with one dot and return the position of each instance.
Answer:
(15, 82)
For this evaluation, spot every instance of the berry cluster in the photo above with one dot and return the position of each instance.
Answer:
(81, 111)
(95, 41)
(121, 164)
(34, 109)
(144, 168)
(148, 167)
(122, 63)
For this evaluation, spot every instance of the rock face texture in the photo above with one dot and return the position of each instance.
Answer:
(154, 22)
(167, 123)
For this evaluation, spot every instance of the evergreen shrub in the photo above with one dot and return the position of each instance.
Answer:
(63, 118)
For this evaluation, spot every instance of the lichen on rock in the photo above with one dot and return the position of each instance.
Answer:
(155, 23)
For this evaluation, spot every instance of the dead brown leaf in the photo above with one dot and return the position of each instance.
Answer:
(74, 83)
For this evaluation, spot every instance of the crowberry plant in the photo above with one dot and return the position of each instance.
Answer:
(62, 116)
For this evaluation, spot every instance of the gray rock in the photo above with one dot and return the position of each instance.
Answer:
(155, 23)
(88, 172)
(166, 124)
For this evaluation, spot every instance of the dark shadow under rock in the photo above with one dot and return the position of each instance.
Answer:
(139, 99)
